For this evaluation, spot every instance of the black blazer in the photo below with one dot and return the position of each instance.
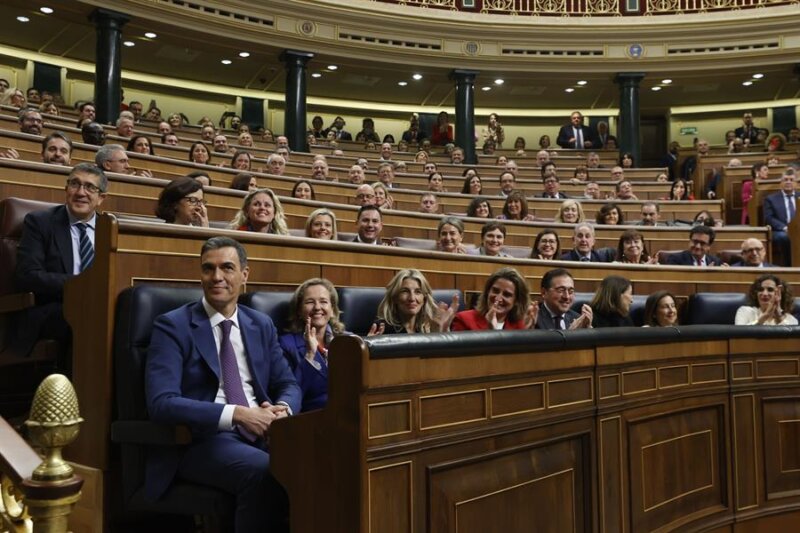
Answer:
(565, 133)
(740, 132)
(545, 321)
(44, 255)
(561, 196)
(603, 255)
(685, 258)
(612, 320)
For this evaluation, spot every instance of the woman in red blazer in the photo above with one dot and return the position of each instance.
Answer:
(503, 304)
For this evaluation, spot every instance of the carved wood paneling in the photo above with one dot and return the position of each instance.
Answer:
(781, 427)
(745, 451)
(390, 494)
(661, 493)
(467, 494)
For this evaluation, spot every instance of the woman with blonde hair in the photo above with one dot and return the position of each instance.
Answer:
(314, 322)
(262, 212)
(408, 307)
(383, 199)
(570, 212)
(321, 224)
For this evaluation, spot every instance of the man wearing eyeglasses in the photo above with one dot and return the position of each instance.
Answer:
(558, 294)
(753, 254)
(56, 244)
(700, 240)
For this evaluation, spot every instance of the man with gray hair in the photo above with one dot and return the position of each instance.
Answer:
(124, 127)
(112, 158)
(276, 164)
(583, 250)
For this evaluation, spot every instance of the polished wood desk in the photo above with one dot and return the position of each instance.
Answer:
(689, 429)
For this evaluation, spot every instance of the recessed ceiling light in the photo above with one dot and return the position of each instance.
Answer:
(656, 88)
(486, 88)
(316, 75)
(150, 35)
(417, 76)
(582, 82)
(402, 83)
(23, 19)
(129, 43)
(666, 81)
(499, 81)
(244, 54)
(226, 61)
(569, 90)
(757, 76)
(46, 10)
(747, 83)
(332, 67)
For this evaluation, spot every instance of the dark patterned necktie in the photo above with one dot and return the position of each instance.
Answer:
(231, 379)
(85, 248)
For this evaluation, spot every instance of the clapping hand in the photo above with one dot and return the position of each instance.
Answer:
(445, 314)
(310, 336)
(583, 321)
(532, 315)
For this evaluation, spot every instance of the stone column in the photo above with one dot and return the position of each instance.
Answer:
(465, 112)
(108, 64)
(295, 123)
(628, 132)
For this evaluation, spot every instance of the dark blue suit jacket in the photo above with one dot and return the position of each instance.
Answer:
(182, 377)
(685, 258)
(775, 214)
(313, 383)
(44, 255)
(44, 264)
(565, 133)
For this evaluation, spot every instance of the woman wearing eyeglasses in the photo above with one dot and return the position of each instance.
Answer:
(769, 303)
(182, 202)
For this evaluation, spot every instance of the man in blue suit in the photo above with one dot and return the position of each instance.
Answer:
(575, 134)
(217, 368)
(779, 210)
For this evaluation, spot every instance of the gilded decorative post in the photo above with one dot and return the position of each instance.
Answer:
(53, 489)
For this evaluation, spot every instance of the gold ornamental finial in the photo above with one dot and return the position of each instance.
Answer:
(54, 423)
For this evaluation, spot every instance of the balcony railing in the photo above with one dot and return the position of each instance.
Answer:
(592, 7)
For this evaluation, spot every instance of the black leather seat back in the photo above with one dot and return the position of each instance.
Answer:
(273, 304)
(714, 307)
(137, 309)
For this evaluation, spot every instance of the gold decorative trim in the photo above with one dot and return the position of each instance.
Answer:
(460, 422)
(682, 495)
(380, 404)
(685, 384)
(534, 383)
(655, 376)
(410, 491)
(766, 376)
(615, 377)
(780, 446)
(571, 471)
(721, 364)
(736, 450)
(583, 378)
(734, 364)
(621, 474)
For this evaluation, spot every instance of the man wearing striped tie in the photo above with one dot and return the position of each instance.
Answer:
(56, 244)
